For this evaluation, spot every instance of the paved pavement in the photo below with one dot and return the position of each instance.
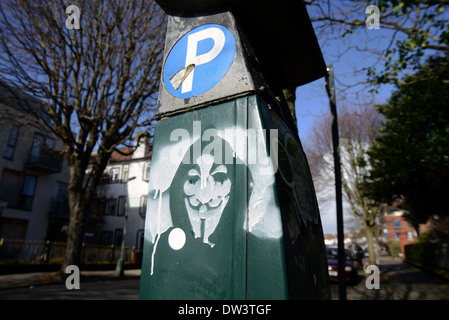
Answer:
(94, 285)
(398, 281)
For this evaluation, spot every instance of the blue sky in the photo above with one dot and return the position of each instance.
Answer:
(349, 56)
(312, 101)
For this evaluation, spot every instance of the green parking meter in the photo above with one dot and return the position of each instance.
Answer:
(231, 211)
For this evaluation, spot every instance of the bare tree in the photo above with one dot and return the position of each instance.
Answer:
(357, 131)
(97, 83)
(408, 32)
(290, 97)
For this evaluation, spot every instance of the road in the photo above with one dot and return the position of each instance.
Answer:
(98, 290)
(398, 281)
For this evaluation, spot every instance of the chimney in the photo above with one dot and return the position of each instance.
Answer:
(141, 145)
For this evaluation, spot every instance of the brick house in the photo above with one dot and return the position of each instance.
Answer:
(399, 228)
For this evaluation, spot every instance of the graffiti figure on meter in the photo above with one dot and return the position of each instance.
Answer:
(198, 210)
(200, 193)
(207, 191)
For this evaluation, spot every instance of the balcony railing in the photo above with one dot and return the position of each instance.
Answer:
(45, 159)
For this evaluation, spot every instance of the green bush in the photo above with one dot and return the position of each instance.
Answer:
(394, 248)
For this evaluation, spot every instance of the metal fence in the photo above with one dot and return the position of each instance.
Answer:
(28, 251)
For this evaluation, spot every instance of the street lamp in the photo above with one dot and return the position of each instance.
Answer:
(119, 269)
(3, 204)
(330, 88)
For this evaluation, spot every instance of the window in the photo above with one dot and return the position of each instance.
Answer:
(60, 201)
(89, 238)
(39, 142)
(125, 173)
(110, 207)
(118, 237)
(28, 190)
(146, 172)
(410, 235)
(121, 206)
(140, 239)
(396, 235)
(50, 142)
(396, 223)
(115, 174)
(18, 189)
(12, 142)
(106, 238)
(143, 206)
(10, 187)
(61, 189)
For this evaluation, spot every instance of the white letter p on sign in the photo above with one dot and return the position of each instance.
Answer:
(217, 36)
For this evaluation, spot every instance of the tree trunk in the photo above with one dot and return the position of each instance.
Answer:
(76, 227)
(370, 241)
(80, 194)
(290, 96)
(75, 232)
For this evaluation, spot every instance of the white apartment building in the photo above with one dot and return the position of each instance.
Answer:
(125, 191)
(33, 178)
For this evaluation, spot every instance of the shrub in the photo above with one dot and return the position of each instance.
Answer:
(394, 248)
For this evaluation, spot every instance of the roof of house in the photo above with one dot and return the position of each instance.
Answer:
(124, 154)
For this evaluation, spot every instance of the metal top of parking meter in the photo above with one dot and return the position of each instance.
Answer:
(280, 32)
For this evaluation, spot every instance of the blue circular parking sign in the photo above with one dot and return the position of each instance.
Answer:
(199, 60)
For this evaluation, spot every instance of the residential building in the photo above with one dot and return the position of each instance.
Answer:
(34, 180)
(349, 239)
(124, 191)
(398, 228)
(33, 176)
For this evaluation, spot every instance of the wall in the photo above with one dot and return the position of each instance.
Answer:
(134, 189)
(37, 218)
(399, 229)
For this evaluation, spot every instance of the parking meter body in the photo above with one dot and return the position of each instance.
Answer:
(231, 211)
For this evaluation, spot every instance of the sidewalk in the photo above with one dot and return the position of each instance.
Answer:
(23, 280)
(399, 281)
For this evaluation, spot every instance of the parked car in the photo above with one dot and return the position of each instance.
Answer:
(357, 255)
(351, 275)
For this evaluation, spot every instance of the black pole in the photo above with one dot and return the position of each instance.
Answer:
(335, 143)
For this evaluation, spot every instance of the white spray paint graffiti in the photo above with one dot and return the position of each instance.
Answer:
(209, 191)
